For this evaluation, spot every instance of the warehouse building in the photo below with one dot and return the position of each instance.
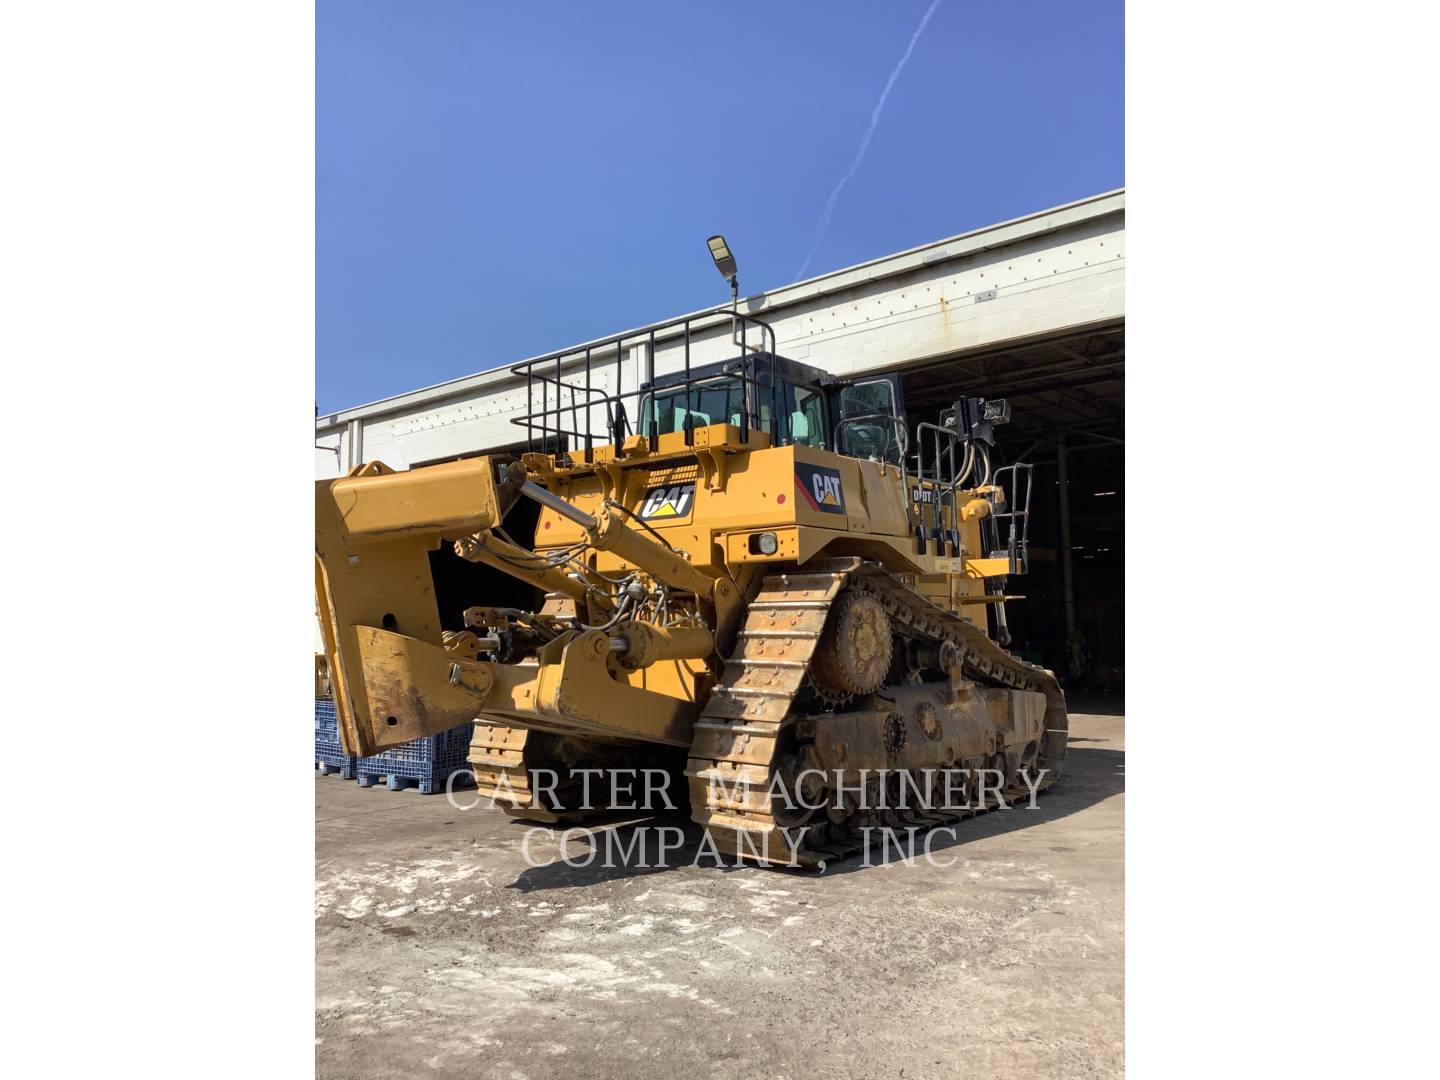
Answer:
(1031, 310)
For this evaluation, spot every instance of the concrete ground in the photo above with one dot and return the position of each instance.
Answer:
(441, 952)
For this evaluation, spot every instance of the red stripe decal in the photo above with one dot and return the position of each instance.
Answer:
(806, 494)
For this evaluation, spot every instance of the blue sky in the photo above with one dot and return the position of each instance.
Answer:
(494, 180)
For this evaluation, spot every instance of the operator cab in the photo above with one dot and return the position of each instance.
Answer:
(793, 403)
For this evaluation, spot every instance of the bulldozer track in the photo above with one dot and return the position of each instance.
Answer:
(497, 757)
(735, 753)
(502, 771)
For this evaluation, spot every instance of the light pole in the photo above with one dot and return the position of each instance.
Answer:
(725, 263)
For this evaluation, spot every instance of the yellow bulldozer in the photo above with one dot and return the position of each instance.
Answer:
(748, 571)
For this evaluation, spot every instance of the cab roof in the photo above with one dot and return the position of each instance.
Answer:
(761, 365)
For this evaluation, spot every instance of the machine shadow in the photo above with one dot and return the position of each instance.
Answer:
(1091, 776)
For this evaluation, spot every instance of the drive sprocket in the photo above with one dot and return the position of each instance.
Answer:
(856, 649)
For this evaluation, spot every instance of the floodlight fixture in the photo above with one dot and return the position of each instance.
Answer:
(724, 260)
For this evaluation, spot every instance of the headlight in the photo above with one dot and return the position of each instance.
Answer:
(767, 543)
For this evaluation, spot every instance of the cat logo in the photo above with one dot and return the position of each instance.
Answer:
(826, 489)
(667, 502)
(820, 488)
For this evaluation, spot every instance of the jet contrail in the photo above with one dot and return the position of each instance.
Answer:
(823, 225)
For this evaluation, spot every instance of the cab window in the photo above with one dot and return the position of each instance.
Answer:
(718, 401)
(867, 399)
(870, 425)
(806, 408)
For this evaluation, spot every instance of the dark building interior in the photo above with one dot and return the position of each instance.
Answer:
(1067, 399)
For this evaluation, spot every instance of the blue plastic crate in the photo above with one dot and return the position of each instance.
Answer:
(427, 763)
(329, 754)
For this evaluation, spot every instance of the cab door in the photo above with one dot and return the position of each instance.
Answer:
(870, 420)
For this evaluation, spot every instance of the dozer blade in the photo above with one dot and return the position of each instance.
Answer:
(413, 689)
(459, 497)
(393, 679)
(374, 530)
